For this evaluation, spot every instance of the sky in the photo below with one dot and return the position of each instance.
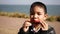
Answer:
(28, 2)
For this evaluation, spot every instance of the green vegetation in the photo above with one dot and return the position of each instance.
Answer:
(58, 18)
(14, 14)
(23, 15)
(53, 18)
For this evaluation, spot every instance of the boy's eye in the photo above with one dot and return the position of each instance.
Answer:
(34, 13)
(38, 13)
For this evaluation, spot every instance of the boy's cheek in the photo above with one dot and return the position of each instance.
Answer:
(40, 17)
(45, 18)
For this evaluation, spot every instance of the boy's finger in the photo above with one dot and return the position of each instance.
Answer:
(42, 23)
(27, 23)
(28, 20)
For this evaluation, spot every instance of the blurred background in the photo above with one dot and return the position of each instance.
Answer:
(13, 13)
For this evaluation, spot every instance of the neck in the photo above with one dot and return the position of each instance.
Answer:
(36, 26)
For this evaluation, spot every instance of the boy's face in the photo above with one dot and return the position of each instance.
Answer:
(38, 14)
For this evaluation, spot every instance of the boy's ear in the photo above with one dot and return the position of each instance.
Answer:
(46, 16)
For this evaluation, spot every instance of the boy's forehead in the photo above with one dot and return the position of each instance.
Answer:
(38, 9)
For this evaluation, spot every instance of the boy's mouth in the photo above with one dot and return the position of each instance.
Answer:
(36, 21)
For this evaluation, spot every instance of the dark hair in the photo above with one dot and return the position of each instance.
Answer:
(40, 4)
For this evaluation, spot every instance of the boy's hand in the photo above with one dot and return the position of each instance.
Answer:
(44, 25)
(26, 25)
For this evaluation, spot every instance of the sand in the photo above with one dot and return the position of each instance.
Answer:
(10, 25)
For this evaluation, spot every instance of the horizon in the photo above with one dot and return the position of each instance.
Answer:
(52, 9)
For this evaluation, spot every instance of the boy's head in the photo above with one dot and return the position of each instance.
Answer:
(38, 11)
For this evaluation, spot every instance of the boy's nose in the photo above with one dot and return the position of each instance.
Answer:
(35, 16)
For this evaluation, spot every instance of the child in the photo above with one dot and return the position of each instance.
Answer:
(37, 23)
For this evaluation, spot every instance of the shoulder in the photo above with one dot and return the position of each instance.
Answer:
(51, 29)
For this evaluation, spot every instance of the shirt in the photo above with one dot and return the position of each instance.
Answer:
(30, 31)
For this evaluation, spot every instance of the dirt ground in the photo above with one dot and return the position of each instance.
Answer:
(10, 25)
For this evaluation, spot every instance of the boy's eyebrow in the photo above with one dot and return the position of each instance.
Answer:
(38, 12)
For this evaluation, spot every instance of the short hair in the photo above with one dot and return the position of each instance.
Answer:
(40, 4)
